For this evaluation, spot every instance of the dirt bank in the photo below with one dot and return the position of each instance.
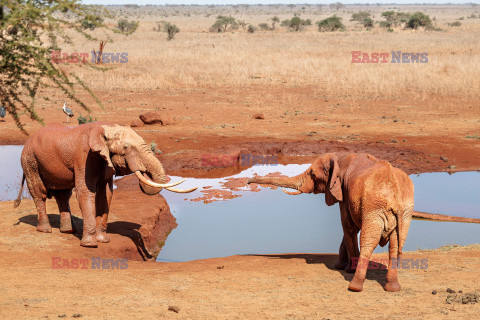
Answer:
(435, 133)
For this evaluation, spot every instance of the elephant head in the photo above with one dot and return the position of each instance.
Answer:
(323, 176)
(125, 152)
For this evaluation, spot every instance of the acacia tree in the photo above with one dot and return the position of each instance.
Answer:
(30, 31)
(223, 23)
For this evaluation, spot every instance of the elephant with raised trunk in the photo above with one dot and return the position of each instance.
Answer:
(86, 157)
(374, 197)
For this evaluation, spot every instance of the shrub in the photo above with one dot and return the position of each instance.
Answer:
(360, 16)
(171, 30)
(264, 26)
(127, 27)
(332, 23)
(419, 19)
(251, 29)
(224, 23)
(91, 22)
(455, 24)
(385, 24)
(81, 119)
(296, 24)
(368, 23)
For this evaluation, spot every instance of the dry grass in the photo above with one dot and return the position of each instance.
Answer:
(200, 59)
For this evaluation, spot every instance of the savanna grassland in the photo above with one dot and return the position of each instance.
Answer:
(420, 116)
(303, 82)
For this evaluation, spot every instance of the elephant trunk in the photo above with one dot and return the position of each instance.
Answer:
(286, 182)
(155, 172)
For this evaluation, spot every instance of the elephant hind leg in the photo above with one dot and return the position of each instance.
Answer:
(392, 276)
(369, 239)
(38, 192)
(63, 197)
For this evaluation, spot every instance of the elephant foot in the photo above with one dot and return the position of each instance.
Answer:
(89, 241)
(44, 227)
(102, 237)
(66, 225)
(349, 268)
(355, 286)
(392, 287)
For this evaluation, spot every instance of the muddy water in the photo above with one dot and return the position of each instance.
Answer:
(273, 222)
(10, 172)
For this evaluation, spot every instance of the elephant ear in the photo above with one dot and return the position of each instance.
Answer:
(97, 143)
(333, 189)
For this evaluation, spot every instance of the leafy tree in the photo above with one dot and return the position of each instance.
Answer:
(296, 24)
(419, 19)
(30, 31)
(274, 20)
(394, 18)
(332, 23)
(127, 27)
(224, 23)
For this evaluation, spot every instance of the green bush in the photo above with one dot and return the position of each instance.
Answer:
(419, 19)
(296, 24)
(455, 24)
(368, 23)
(81, 119)
(91, 22)
(127, 27)
(360, 16)
(171, 30)
(332, 23)
(264, 26)
(251, 29)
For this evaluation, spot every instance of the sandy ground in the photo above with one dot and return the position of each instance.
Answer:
(435, 134)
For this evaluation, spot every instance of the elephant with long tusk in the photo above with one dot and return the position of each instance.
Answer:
(374, 198)
(86, 157)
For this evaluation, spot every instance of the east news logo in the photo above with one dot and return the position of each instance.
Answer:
(384, 57)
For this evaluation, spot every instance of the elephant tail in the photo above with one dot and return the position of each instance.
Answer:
(442, 217)
(19, 198)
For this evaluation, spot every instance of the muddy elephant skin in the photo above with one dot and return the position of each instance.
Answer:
(86, 157)
(373, 196)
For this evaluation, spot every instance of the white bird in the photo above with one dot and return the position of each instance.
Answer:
(3, 112)
(67, 111)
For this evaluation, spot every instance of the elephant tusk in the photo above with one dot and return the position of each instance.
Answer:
(154, 184)
(180, 190)
(293, 193)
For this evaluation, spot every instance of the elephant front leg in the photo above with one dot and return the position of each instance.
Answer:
(86, 200)
(103, 200)
(63, 197)
(349, 246)
(342, 256)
